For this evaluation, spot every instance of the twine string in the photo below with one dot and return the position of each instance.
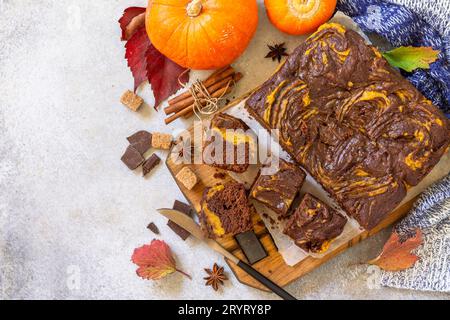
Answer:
(204, 103)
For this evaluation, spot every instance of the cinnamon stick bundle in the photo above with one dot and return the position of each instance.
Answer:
(211, 80)
(220, 91)
(217, 84)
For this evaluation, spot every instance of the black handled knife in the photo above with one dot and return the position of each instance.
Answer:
(190, 225)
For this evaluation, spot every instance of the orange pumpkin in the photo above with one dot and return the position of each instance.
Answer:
(299, 16)
(202, 34)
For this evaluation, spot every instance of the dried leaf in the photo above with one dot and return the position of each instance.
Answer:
(136, 54)
(396, 255)
(155, 261)
(133, 18)
(164, 75)
(145, 61)
(411, 58)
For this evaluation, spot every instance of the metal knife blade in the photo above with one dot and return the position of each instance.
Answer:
(193, 228)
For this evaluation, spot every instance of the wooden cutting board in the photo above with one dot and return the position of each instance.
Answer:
(272, 266)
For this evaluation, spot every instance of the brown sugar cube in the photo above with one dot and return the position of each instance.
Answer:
(161, 141)
(131, 100)
(187, 177)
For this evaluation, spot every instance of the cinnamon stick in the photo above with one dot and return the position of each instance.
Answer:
(236, 78)
(217, 94)
(216, 77)
(213, 76)
(187, 102)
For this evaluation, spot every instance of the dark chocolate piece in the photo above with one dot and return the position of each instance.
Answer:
(153, 228)
(150, 164)
(187, 210)
(352, 121)
(141, 141)
(251, 246)
(132, 158)
(226, 210)
(314, 225)
(223, 125)
(183, 207)
(279, 190)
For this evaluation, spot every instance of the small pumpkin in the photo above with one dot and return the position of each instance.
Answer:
(201, 34)
(299, 16)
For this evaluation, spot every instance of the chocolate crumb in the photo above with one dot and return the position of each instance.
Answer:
(132, 158)
(150, 164)
(153, 228)
(220, 175)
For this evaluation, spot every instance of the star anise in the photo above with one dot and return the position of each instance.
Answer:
(277, 52)
(216, 277)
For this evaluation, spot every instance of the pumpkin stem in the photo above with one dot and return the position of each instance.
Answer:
(194, 8)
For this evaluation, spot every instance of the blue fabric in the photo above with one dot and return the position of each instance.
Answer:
(402, 27)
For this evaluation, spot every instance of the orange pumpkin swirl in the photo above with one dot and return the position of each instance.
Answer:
(201, 34)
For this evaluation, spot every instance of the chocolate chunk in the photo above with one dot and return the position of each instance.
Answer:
(187, 210)
(150, 164)
(183, 207)
(141, 141)
(251, 246)
(132, 158)
(153, 228)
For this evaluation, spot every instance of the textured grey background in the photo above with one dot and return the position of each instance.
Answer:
(70, 212)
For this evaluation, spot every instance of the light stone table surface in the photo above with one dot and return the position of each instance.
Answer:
(70, 212)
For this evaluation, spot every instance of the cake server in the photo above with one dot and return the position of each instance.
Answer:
(190, 225)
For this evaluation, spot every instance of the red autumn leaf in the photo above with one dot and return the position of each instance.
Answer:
(396, 255)
(145, 61)
(155, 261)
(164, 75)
(136, 54)
(129, 24)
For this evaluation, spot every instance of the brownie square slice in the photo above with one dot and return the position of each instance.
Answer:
(314, 225)
(225, 210)
(279, 190)
(233, 139)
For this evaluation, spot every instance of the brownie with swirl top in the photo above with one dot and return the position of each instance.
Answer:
(314, 225)
(278, 190)
(352, 121)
